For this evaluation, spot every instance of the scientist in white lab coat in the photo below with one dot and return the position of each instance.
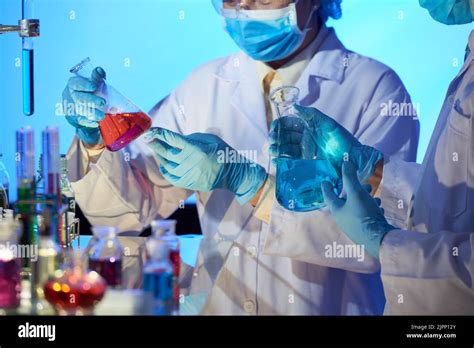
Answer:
(427, 263)
(226, 102)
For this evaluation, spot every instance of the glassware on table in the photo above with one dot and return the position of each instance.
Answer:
(25, 207)
(165, 230)
(158, 278)
(67, 195)
(75, 290)
(124, 121)
(105, 254)
(10, 279)
(4, 185)
(298, 180)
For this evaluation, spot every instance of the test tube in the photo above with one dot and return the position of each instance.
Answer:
(25, 171)
(25, 151)
(51, 159)
(27, 12)
(52, 211)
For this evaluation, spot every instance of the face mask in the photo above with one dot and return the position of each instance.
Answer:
(450, 11)
(265, 35)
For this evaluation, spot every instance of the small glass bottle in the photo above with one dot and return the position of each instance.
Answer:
(158, 278)
(10, 280)
(67, 194)
(105, 254)
(49, 255)
(166, 230)
(3, 197)
(298, 180)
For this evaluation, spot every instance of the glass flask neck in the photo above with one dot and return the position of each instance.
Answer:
(163, 228)
(73, 260)
(105, 244)
(84, 68)
(105, 232)
(284, 99)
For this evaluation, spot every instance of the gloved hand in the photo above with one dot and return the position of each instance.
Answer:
(88, 108)
(334, 142)
(291, 137)
(198, 162)
(358, 215)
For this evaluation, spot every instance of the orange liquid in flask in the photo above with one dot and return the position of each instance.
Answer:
(118, 130)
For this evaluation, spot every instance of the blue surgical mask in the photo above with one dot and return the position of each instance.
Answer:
(265, 35)
(450, 11)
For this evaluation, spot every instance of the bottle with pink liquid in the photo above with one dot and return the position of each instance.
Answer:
(105, 255)
(10, 284)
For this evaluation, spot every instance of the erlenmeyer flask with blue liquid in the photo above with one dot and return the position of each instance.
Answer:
(298, 179)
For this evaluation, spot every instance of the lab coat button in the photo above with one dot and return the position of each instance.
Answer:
(249, 306)
(195, 274)
(252, 251)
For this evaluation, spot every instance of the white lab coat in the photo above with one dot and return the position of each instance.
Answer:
(432, 273)
(224, 97)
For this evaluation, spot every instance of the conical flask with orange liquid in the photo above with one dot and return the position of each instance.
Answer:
(124, 121)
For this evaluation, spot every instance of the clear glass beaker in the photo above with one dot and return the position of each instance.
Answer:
(124, 121)
(298, 180)
(105, 254)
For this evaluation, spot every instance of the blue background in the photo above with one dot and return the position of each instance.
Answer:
(163, 40)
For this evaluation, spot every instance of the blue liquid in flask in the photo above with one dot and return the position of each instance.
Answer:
(298, 183)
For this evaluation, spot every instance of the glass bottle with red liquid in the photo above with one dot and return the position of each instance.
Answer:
(124, 121)
(10, 280)
(74, 289)
(105, 255)
(165, 230)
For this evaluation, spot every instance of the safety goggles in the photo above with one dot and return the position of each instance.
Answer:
(246, 8)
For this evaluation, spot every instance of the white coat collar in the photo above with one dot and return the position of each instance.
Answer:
(471, 41)
(240, 70)
(470, 56)
(327, 63)
(470, 44)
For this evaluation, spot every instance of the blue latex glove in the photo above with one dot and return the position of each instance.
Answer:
(334, 142)
(291, 137)
(88, 109)
(198, 162)
(358, 215)
(450, 12)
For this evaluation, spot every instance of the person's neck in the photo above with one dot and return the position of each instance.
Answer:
(310, 36)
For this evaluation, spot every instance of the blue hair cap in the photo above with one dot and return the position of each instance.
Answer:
(330, 8)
